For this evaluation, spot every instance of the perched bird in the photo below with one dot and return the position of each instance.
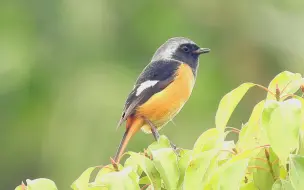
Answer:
(161, 90)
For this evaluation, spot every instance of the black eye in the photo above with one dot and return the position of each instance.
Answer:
(185, 49)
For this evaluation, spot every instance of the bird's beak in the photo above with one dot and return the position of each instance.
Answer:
(201, 51)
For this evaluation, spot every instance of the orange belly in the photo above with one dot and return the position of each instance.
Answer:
(164, 105)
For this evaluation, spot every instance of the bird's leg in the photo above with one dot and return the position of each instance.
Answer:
(153, 129)
(156, 135)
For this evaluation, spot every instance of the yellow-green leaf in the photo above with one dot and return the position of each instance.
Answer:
(41, 183)
(249, 186)
(125, 179)
(297, 171)
(263, 173)
(282, 184)
(210, 139)
(282, 122)
(301, 148)
(251, 134)
(183, 162)
(227, 149)
(163, 142)
(165, 161)
(148, 167)
(107, 169)
(21, 187)
(196, 170)
(286, 80)
(229, 176)
(144, 180)
(228, 104)
(83, 181)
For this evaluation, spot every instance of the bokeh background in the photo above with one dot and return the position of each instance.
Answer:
(66, 68)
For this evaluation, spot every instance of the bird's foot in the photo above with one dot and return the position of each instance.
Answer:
(175, 149)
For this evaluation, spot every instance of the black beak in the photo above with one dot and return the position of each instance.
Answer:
(201, 51)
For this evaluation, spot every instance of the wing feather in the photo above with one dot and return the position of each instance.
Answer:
(162, 71)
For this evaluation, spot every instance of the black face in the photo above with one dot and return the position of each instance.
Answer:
(187, 54)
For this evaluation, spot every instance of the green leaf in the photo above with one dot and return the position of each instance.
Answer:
(282, 120)
(228, 147)
(147, 166)
(165, 161)
(229, 176)
(286, 80)
(133, 163)
(107, 169)
(251, 135)
(263, 179)
(41, 183)
(21, 187)
(297, 171)
(83, 181)
(283, 172)
(282, 184)
(248, 186)
(247, 154)
(228, 104)
(183, 162)
(150, 187)
(125, 179)
(144, 180)
(163, 142)
(210, 139)
(196, 170)
(302, 104)
(301, 148)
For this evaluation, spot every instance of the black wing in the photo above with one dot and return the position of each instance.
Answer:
(162, 71)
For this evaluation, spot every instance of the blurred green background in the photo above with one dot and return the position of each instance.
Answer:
(66, 68)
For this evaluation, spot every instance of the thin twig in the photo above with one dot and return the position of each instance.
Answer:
(287, 95)
(261, 159)
(234, 129)
(277, 92)
(145, 186)
(229, 151)
(285, 87)
(258, 167)
(266, 89)
(269, 163)
(263, 146)
(275, 161)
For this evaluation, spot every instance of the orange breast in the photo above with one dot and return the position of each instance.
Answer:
(164, 105)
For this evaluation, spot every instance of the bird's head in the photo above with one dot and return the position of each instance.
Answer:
(181, 49)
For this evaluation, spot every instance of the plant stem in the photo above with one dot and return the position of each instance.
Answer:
(229, 151)
(258, 167)
(261, 159)
(233, 128)
(269, 164)
(145, 186)
(277, 93)
(266, 89)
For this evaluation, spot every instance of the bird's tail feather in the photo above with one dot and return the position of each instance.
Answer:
(133, 125)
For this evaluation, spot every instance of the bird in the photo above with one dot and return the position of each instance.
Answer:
(161, 90)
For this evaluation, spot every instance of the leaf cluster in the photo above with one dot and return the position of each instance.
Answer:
(269, 153)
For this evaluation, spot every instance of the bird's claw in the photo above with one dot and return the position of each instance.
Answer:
(176, 149)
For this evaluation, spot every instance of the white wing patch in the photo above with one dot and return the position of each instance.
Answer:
(145, 85)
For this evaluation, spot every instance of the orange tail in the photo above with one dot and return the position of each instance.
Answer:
(133, 125)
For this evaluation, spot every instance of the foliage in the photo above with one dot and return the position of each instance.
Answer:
(268, 155)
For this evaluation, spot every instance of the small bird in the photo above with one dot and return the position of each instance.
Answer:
(161, 90)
